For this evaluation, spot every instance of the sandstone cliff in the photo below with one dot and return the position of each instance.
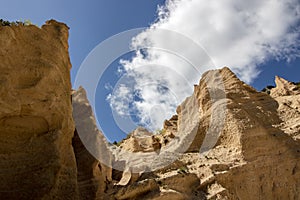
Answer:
(36, 126)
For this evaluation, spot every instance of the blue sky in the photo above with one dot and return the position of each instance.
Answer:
(91, 22)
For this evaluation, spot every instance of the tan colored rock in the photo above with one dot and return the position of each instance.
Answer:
(36, 126)
(141, 140)
(137, 190)
(166, 195)
(93, 156)
(284, 88)
(250, 152)
(182, 183)
(171, 124)
(287, 95)
(257, 147)
(126, 178)
(289, 113)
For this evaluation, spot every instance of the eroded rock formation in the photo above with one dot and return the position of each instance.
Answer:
(287, 95)
(284, 88)
(256, 154)
(36, 125)
(90, 147)
(141, 140)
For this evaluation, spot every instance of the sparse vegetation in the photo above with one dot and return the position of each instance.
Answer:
(297, 84)
(117, 143)
(268, 89)
(156, 139)
(26, 22)
(183, 170)
(161, 131)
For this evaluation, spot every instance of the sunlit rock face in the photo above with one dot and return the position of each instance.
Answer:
(284, 88)
(36, 124)
(256, 154)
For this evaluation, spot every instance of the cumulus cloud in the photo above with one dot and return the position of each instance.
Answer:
(120, 103)
(192, 36)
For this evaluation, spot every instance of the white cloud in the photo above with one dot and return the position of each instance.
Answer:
(234, 33)
(120, 103)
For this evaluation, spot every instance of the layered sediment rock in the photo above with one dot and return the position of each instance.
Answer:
(36, 126)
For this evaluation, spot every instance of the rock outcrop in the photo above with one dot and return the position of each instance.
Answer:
(251, 149)
(287, 95)
(141, 140)
(36, 125)
(255, 154)
(90, 147)
(284, 88)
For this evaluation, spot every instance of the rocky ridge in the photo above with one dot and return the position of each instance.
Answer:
(257, 152)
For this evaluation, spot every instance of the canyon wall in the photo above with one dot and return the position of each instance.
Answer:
(37, 160)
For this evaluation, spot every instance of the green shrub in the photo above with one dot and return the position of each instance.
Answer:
(117, 143)
(4, 23)
(183, 170)
(161, 131)
(26, 22)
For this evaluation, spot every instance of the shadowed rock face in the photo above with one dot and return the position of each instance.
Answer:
(90, 146)
(36, 125)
